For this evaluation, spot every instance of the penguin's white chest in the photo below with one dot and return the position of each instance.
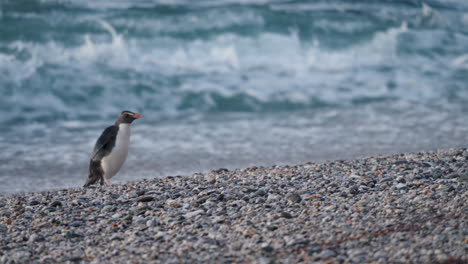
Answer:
(112, 163)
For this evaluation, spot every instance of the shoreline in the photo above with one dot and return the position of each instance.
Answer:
(394, 208)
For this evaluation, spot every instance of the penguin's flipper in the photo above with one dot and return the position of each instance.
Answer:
(105, 143)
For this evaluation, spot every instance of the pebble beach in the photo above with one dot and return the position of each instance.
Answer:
(402, 208)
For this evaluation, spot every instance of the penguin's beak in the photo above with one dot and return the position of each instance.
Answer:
(136, 115)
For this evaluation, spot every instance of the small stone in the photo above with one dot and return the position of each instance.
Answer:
(218, 219)
(33, 238)
(293, 198)
(428, 164)
(90, 251)
(116, 237)
(140, 192)
(75, 258)
(263, 260)
(220, 170)
(144, 199)
(272, 227)
(75, 224)
(260, 200)
(220, 197)
(194, 213)
(159, 235)
(34, 202)
(107, 208)
(286, 215)
(116, 216)
(267, 248)
(139, 220)
(73, 234)
(401, 186)
(353, 190)
(56, 203)
(173, 203)
(463, 177)
(453, 176)
(447, 188)
(328, 254)
(152, 222)
(261, 192)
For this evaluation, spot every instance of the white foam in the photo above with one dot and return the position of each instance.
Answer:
(74, 124)
(464, 18)
(426, 10)
(272, 62)
(461, 61)
(192, 22)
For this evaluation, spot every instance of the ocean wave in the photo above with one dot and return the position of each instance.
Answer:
(143, 62)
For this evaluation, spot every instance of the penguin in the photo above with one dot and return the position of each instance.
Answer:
(111, 150)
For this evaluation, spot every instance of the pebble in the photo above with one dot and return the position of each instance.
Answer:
(116, 216)
(34, 202)
(401, 186)
(55, 204)
(293, 198)
(151, 222)
(75, 224)
(194, 213)
(286, 215)
(144, 199)
(73, 234)
(34, 238)
(407, 208)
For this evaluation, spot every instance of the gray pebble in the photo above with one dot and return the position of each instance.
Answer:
(286, 215)
(401, 186)
(144, 199)
(56, 203)
(293, 198)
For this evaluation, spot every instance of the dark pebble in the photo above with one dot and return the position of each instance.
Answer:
(353, 190)
(268, 249)
(293, 198)
(220, 170)
(272, 228)
(75, 224)
(428, 164)
(75, 259)
(34, 202)
(56, 204)
(286, 215)
(453, 176)
(140, 192)
(144, 199)
(73, 234)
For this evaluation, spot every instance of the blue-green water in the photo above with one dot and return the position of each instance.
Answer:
(226, 83)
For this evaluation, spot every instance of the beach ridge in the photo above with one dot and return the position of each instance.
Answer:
(407, 207)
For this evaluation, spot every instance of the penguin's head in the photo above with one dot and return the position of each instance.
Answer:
(127, 117)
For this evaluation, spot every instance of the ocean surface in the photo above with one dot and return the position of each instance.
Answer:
(225, 83)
